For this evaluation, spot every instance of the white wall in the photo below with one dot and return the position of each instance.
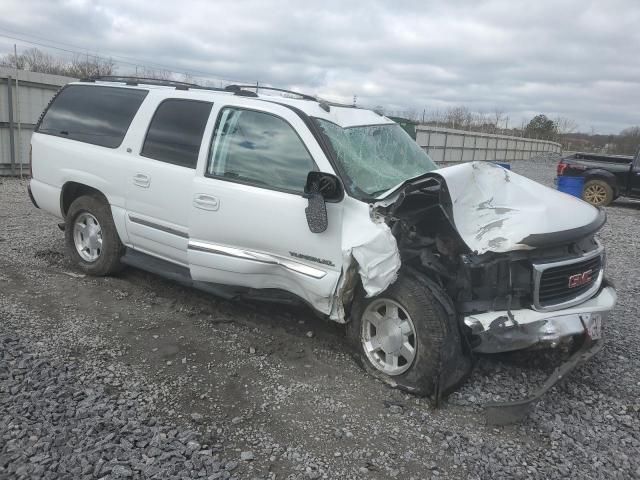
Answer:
(30, 98)
(449, 145)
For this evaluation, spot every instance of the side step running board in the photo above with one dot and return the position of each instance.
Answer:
(182, 275)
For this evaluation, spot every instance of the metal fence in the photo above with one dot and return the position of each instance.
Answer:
(453, 146)
(23, 96)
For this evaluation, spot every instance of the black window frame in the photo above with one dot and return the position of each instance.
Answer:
(315, 167)
(36, 129)
(146, 133)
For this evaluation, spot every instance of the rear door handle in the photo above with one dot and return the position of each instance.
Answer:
(142, 180)
(205, 202)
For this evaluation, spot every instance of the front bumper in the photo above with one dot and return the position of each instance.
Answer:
(503, 331)
(505, 413)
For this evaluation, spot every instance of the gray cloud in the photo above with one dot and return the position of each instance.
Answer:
(573, 58)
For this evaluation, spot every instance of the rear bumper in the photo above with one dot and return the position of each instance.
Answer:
(503, 331)
(45, 196)
(33, 200)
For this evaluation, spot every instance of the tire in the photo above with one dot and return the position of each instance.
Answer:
(431, 326)
(99, 247)
(598, 193)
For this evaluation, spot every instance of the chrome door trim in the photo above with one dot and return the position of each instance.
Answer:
(162, 228)
(257, 257)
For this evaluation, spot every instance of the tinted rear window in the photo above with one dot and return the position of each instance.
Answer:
(176, 131)
(96, 115)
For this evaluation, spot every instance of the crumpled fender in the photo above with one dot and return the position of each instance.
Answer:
(369, 247)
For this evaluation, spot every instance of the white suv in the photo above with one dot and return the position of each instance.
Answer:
(260, 195)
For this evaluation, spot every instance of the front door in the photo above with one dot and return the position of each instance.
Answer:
(247, 224)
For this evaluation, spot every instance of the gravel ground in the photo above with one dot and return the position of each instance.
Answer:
(133, 376)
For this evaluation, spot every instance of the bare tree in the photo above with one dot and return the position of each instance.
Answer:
(497, 118)
(628, 141)
(80, 66)
(34, 60)
(187, 78)
(566, 125)
(458, 117)
(158, 74)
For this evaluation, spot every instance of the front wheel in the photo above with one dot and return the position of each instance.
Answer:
(400, 335)
(91, 238)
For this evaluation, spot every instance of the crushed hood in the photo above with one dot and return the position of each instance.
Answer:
(496, 210)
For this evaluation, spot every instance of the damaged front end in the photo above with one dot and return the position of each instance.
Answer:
(518, 261)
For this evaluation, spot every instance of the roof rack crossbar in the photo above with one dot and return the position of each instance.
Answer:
(149, 81)
(341, 105)
(304, 96)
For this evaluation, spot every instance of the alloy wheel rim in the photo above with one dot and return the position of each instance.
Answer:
(388, 337)
(595, 194)
(87, 237)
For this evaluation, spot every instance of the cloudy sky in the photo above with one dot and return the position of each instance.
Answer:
(571, 58)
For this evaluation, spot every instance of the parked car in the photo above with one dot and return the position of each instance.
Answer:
(606, 177)
(258, 196)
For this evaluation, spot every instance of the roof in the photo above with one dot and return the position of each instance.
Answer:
(343, 115)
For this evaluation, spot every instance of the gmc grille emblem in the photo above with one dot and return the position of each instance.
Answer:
(580, 279)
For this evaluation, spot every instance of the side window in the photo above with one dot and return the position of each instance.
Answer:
(96, 115)
(176, 131)
(259, 149)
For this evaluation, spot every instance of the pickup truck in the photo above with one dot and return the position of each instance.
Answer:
(606, 177)
(258, 196)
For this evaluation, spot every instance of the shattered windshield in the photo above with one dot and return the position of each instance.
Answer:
(375, 158)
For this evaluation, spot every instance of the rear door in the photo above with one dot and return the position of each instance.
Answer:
(247, 224)
(160, 179)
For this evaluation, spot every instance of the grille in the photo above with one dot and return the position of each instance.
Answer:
(553, 283)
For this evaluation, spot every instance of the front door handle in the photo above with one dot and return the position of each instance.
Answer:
(142, 180)
(206, 202)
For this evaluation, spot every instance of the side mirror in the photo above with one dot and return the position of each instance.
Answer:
(320, 188)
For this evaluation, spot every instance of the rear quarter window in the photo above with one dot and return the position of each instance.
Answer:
(92, 114)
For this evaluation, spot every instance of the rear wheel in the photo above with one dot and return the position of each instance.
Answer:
(91, 238)
(398, 336)
(598, 193)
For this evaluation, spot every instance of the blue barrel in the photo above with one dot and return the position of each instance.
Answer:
(571, 185)
(504, 165)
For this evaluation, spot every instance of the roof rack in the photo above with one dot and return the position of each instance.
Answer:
(239, 90)
(149, 81)
(304, 96)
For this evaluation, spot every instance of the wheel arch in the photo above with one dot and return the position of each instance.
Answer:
(73, 190)
(604, 175)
